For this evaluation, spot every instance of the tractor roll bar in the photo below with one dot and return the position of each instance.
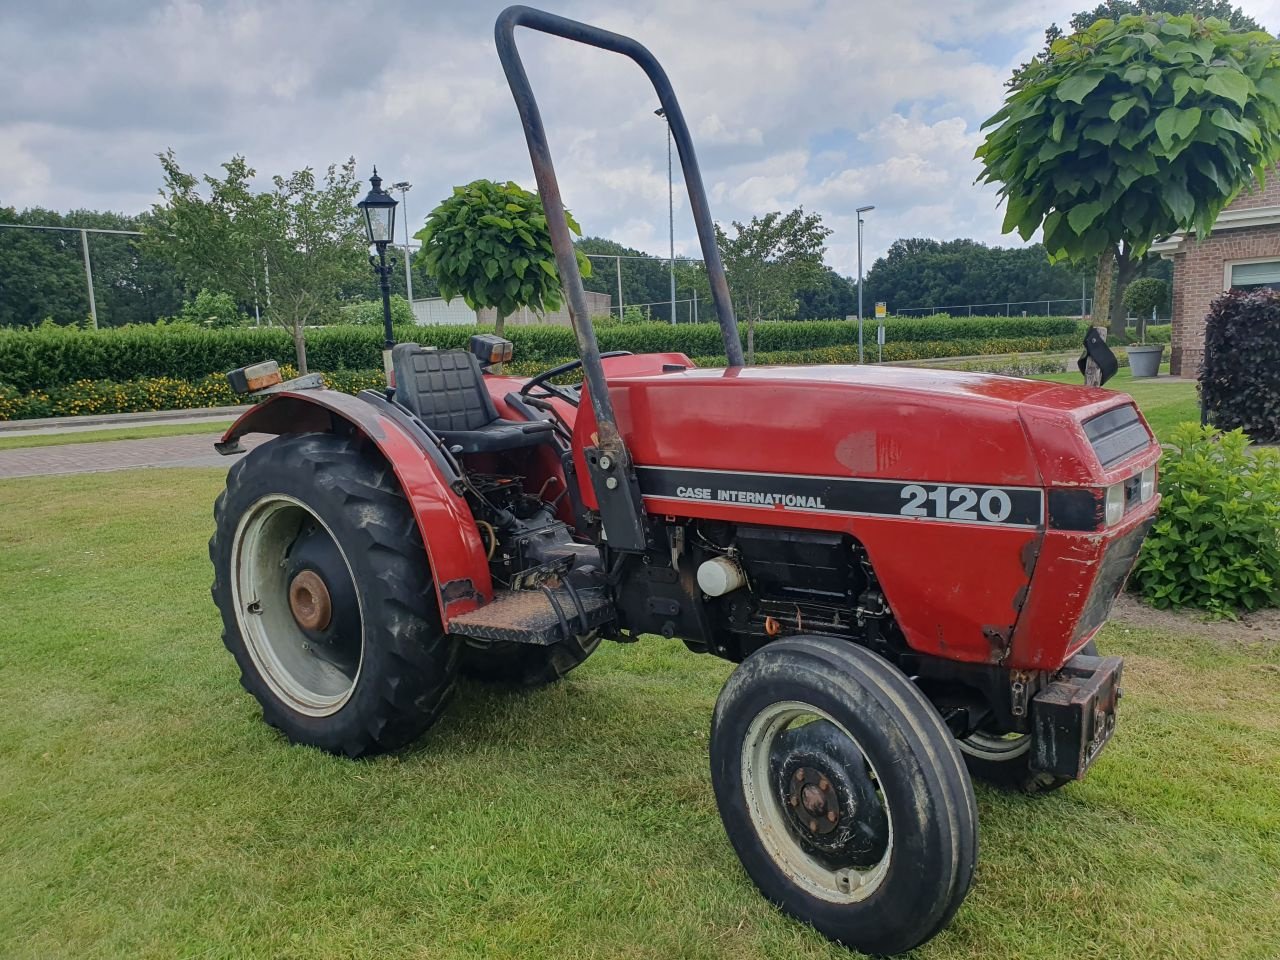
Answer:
(549, 189)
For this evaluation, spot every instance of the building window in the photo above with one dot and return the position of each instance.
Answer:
(1254, 276)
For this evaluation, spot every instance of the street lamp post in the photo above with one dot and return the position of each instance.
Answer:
(860, 211)
(379, 210)
(671, 212)
(404, 187)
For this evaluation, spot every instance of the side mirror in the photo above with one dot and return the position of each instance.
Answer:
(490, 348)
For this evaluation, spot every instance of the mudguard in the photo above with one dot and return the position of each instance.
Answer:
(454, 547)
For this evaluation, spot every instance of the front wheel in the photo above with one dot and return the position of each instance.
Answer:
(843, 793)
(326, 596)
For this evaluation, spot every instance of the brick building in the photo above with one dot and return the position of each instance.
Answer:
(1242, 252)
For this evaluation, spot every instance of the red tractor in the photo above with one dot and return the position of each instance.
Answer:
(908, 566)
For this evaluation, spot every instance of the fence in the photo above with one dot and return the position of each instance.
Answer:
(1077, 306)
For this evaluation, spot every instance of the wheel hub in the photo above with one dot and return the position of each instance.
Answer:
(812, 800)
(309, 601)
(829, 795)
(297, 606)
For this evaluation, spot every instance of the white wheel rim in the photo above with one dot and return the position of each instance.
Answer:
(284, 657)
(996, 747)
(770, 821)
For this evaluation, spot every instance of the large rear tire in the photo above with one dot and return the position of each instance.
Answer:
(524, 664)
(1004, 760)
(326, 596)
(843, 793)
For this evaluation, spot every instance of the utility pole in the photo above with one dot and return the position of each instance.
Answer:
(404, 188)
(860, 211)
(88, 276)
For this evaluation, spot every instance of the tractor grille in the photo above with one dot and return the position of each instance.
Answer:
(1117, 561)
(1116, 434)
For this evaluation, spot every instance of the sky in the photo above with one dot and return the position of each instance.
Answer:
(830, 105)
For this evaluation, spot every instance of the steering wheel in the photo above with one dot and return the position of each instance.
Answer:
(567, 393)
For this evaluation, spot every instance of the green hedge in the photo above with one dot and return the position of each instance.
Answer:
(90, 397)
(47, 358)
(85, 397)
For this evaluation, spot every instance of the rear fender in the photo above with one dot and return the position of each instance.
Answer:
(454, 547)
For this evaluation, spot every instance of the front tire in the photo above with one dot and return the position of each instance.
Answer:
(843, 793)
(326, 597)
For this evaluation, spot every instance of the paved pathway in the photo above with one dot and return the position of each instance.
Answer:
(195, 450)
(103, 421)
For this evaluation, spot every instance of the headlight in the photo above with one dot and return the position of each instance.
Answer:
(1147, 486)
(1115, 504)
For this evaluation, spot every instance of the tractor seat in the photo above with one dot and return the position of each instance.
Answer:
(445, 390)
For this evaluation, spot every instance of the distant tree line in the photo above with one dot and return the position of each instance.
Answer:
(136, 281)
(921, 272)
(42, 271)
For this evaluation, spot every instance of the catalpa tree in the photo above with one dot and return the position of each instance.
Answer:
(489, 244)
(1133, 130)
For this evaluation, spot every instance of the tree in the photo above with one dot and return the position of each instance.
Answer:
(290, 251)
(919, 272)
(769, 261)
(1132, 131)
(1234, 17)
(489, 244)
(833, 297)
(646, 279)
(1222, 10)
(42, 271)
(315, 246)
(1144, 297)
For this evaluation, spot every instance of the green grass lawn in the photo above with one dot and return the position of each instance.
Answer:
(15, 440)
(145, 811)
(1164, 402)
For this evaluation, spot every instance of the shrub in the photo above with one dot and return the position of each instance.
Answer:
(1240, 379)
(56, 356)
(89, 397)
(369, 313)
(1216, 541)
(214, 311)
(546, 347)
(44, 358)
(630, 315)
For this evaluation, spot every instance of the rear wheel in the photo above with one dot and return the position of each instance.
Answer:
(1004, 759)
(524, 664)
(326, 596)
(843, 793)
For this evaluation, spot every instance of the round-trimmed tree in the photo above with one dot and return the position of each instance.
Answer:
(1133, 130)
(1145, 296)
(489, 244)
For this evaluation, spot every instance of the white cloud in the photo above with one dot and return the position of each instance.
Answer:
(821, 102)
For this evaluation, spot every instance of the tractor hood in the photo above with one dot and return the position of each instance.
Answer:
(943, 426)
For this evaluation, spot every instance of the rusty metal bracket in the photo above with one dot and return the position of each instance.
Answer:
(1019, 691)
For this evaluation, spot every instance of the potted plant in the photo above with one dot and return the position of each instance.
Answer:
(1145, 297)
